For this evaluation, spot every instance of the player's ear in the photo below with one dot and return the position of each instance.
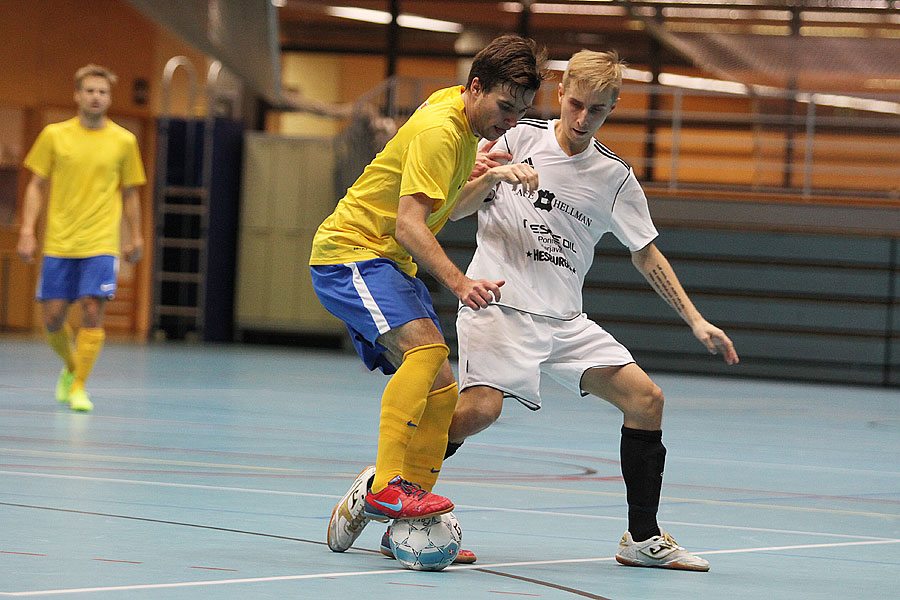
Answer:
(560, 91)
(475, 87)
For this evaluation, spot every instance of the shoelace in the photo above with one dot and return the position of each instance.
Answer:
(411, 489)
(357, 521)
(666, 538)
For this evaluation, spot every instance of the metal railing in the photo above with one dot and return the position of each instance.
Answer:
(803, 144)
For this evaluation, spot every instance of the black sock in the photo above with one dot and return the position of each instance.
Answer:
(643, 459)
(452, 447)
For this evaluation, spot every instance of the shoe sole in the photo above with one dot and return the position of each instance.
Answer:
(387, 519)
(674, 566)
(335, 511)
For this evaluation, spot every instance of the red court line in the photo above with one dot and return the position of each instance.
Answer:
(214, 569)
(513, 593)
(411, 584)
(130, 562)
(22, 553)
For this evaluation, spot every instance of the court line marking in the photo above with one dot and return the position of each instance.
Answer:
(466, 506)
(153, 461)
(156, 586)
(807, 509)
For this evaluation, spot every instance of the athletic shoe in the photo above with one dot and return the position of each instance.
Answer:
(659, 551)
(402, 499)
(79, 400)
(347, 519)
(463, 557)
(64, 384)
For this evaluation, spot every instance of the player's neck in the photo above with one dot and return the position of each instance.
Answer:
(92, 121)
(467, 109)
(565, 144)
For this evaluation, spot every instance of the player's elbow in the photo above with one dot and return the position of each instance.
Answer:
(404, 232)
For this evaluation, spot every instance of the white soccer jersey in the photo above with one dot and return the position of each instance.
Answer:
(542, 244)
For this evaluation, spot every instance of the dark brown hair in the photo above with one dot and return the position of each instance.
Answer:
(509, 60)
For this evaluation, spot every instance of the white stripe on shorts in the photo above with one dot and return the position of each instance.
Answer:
(368, 301)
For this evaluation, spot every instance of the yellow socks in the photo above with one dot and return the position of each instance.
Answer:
(425, 453)
(88, 343)
(402, 406)
(61, 342)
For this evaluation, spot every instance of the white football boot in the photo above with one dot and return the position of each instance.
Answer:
(659, 551)
(347, 518)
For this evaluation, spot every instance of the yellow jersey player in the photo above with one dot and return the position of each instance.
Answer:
(89, 168)
(364, 261)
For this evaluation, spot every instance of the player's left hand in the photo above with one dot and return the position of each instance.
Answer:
(478, 293)
(487, 159)
(716, 341)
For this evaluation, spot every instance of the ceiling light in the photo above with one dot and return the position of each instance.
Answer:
(564, 9)
(383, 18)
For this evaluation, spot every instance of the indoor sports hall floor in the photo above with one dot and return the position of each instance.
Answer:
(211, 472)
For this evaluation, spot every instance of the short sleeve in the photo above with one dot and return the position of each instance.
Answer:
(429, 164)
(132, 167)
(631, 222)
(39, 159)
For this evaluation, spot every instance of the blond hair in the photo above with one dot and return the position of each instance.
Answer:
(93, 70)
(594, 71)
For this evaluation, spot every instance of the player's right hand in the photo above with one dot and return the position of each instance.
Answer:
(477, 294)
(487, 158)
(27, 247)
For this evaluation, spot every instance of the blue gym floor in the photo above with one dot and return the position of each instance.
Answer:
(211, 472)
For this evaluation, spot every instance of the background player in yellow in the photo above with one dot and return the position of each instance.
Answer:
(363, 266)
(86, 171)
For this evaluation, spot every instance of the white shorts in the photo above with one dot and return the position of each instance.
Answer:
(508, 349)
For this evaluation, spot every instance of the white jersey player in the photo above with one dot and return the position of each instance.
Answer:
(542, 243)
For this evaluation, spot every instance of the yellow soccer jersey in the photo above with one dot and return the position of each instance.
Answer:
(433, 154)
(87, 170)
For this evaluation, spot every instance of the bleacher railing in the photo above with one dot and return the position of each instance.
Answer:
(802, 144)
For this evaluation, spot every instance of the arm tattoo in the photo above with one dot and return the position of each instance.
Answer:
(661, 284)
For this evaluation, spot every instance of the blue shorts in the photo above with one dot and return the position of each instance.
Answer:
(372, 297)
(74, 278)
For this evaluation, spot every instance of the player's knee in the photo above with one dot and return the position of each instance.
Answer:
(53, 320)
(473, 414)
(652, 403)
(645, 407)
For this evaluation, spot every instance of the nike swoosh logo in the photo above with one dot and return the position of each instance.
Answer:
(396, 506)
(411, 424)
(433, 470)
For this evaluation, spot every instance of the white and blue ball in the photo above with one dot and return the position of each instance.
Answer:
(428, 544)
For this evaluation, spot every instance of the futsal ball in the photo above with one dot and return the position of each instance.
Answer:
(428, 544)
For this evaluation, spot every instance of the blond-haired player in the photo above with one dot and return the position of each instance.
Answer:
(86, 170)
(542, 242)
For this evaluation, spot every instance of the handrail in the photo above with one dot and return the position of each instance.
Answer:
(169, 72)
(835, 145)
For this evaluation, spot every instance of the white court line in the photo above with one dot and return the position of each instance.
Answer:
(151, 461)
(156, 586)
(464, 506)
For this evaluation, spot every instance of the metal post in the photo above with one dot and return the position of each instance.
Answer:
(653, 102)
(809, 148)
(676, 134)
(525, 18)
